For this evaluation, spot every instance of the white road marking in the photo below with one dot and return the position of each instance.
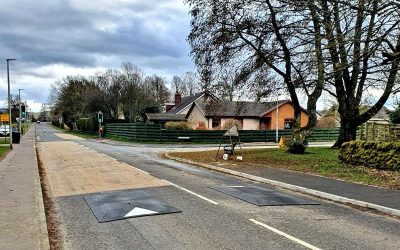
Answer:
(138, 211)
(285, 235)
(134, 167)
(236, 186)
(191, 192)
(110, 157)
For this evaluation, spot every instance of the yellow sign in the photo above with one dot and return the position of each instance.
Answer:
(4, 117)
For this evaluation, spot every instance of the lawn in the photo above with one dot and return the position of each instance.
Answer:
(317, 161)
(3, 152)
(82, 135)
(4, 140)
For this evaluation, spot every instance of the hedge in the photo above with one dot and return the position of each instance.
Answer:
(379, 155)
(89, 125)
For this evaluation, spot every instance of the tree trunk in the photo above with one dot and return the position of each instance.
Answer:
(347, 132)
(297, 123)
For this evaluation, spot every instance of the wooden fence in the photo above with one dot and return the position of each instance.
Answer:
(373, 131)
(154, 133)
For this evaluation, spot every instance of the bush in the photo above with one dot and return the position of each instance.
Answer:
(296, 147)
(177, 126)
(230, 122)
(56, 123)
(87, 124)
(379, 155)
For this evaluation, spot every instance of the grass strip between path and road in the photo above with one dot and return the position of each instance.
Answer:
(80, 134)
(4, 151)
(317, 161)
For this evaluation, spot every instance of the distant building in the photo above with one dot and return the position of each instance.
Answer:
(381, 117)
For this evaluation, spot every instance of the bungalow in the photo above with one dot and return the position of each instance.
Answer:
(176, 112)
(162, 118)
(251, 115)
(182, 105)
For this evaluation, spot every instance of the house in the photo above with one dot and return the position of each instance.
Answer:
(381, 117)
(162, 118)
(212, 115)
(182, 104)
(176, 112)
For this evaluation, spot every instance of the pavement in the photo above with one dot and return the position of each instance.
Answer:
(22, 217)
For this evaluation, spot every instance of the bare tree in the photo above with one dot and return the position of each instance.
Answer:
(361, 52)
(192, 83)
(342, 47)
(254, 37)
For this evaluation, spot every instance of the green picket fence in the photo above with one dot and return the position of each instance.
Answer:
(154, 133)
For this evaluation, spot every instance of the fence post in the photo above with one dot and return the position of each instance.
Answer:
(366, 131)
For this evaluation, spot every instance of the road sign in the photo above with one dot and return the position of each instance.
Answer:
(4, 117)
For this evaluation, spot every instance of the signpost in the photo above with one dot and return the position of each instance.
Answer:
(100, 119)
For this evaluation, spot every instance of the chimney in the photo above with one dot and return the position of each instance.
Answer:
(178, 98)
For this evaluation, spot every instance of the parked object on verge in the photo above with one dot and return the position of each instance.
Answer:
(5, 130)
(16, 137)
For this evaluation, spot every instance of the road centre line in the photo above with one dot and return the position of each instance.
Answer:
(303, 243)
(191, 192)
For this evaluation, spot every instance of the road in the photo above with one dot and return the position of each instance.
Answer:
(209, 220)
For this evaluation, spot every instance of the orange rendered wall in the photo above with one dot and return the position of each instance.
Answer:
(285, 112)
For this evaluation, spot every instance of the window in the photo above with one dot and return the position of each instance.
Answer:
(216, 122)
(288, 124)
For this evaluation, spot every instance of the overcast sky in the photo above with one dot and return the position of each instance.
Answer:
(55, 38)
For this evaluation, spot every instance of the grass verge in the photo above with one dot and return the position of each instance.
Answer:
(3, 152)
(80, 134)
(52, 221)
(4, 141)
(317, 161)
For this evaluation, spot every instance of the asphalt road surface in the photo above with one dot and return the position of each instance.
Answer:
(209, 219)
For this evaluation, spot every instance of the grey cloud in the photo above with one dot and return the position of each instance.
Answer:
(41, 33)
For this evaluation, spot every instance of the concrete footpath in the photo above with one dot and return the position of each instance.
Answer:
(379, 199)
(22, 217)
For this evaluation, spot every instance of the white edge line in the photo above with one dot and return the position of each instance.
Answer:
(285, 235)
(134, 167)
(191, 192)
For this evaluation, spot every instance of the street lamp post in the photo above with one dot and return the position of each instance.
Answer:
(9, 100)
(19, 104)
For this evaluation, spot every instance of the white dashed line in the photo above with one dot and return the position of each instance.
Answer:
(191, 192)
(285, 235)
